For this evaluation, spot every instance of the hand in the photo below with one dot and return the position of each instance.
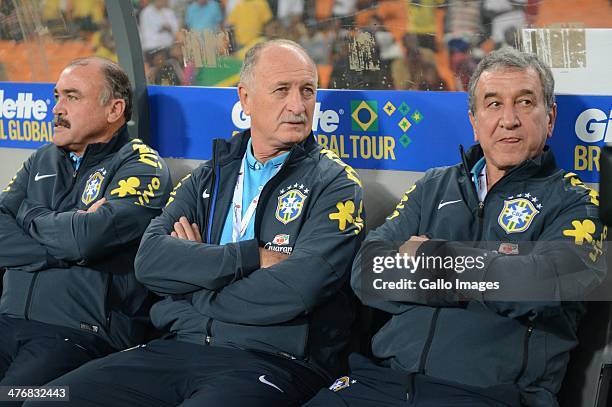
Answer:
(94, 207)
(411, 246)
(268, 258)
(185, 231)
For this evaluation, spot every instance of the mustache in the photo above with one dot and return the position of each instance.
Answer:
(60, 121)
(295, 118)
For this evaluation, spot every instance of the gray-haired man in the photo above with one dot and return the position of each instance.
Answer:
(70, 224)
(252, 255)
(529, 228)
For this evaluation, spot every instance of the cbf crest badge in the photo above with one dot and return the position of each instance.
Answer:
(290, 203)
(517, 214)
(92, 187)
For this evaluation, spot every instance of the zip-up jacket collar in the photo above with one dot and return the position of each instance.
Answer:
(542, 165)
(97, 151)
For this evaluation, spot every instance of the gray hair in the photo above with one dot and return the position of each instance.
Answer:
(252, 56)
(117, 84)
(511, 58)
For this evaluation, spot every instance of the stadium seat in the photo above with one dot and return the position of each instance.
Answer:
(588, 379)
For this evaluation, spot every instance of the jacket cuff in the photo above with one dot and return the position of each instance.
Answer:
(444, 248)
(248, 256)
(434, 247)
(441, 248)
(27, 213)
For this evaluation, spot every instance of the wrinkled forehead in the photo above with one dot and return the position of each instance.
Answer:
(82, 78)
(497, 72)
(509, 80)
(282, 63)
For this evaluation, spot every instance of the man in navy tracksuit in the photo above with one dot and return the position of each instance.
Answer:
(531, 229)
(252, 255)
(70, 224)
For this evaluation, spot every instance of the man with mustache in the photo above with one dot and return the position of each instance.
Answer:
(536, 244)
(252, 256)
(70, 224)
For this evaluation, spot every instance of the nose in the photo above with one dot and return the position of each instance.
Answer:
(509, 119)
(295, 102)
(58, 107)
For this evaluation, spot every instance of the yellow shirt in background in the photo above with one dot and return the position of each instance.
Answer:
(249, 18)
(422, 16)
(91, 8)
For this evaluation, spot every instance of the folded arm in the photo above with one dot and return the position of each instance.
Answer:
(169, 265)
(133, 197)
(19, 250)
(314, 272)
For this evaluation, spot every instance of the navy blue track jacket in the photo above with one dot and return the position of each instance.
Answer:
(218, 295)
(549, 220)
(75, 269)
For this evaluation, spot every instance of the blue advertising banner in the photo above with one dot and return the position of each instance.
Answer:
(26, 117)
(395, 130)
(374, 129)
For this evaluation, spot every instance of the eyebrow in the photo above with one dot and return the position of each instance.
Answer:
(285, 83)
(522, 92)
(67, 91)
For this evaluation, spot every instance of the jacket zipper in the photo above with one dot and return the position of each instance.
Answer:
(107, 308)
(213, 196)
(426, 348)
(210, 211)
(480, 220)
(75, 173)
(208, 337)
(480, 209)
(480, 213)
(526, 338)
(306, 337)
(29, 300)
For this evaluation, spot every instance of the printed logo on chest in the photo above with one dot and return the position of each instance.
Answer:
(518, 213)
(291, 202)
(93, 186)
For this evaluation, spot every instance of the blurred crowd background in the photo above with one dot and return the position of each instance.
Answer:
(356, 44)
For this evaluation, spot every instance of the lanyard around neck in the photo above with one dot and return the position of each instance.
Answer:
(240, 224)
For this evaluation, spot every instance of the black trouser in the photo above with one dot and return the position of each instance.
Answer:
(33, 353)
(171, 373)
(370, 385)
